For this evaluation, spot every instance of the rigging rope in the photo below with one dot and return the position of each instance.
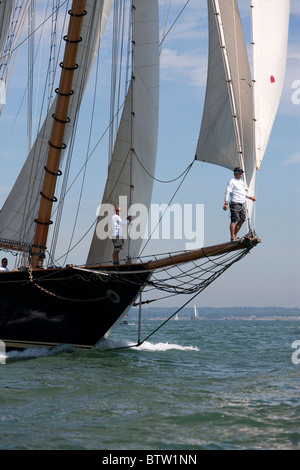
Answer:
(159, 180)
(52, 59)
(172, 25)
(185, 173)
(34, 31)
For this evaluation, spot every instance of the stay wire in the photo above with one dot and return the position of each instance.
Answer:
(172, 25)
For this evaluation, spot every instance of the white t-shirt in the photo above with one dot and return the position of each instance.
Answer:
(2, 268)
(236, 190)
(117, 223)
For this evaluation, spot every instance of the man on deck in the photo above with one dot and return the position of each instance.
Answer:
(3, 266)
(117, 238)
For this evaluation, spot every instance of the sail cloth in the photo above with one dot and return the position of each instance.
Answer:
(270, 21)
(132, 165)
(21, 207)
(226, 134)
(6, 9)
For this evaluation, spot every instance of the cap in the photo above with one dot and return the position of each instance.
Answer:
(238, 170)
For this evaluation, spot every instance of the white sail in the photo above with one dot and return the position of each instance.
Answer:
(195, 313)
(21, 207)
(132, 166)
(12, 20)
(6, 9)
(5, 15)
(226, 134)
(270, 23)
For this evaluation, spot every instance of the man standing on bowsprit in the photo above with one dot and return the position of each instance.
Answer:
(236, 190)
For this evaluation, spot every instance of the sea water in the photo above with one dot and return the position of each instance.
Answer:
(192, 385)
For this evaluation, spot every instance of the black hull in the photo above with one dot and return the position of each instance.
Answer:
(65, 306)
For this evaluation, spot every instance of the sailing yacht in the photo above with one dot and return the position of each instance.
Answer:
(43, 304)
(196, 316)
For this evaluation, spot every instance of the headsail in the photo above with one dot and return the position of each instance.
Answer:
(226, 134)
(131, 170)
(21, 206)
(270, 23)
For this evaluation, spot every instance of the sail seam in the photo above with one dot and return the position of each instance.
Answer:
(228, 78)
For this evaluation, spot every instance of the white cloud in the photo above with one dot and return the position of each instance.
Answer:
(292, 159)
(188, 68)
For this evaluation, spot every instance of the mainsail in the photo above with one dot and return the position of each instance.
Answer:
(270, 36)
(132, 165)
(21, 207)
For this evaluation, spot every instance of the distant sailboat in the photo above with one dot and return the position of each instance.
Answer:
(42, 304)
(196, 316)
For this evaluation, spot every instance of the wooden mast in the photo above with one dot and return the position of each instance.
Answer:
(56, 143)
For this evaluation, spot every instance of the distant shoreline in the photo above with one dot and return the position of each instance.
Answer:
(220, 313)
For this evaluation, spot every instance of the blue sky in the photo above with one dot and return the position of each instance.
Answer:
(270, 274)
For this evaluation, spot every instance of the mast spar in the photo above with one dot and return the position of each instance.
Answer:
(56, 143)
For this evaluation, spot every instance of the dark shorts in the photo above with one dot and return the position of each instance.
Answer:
(118, 243)
(237, 212)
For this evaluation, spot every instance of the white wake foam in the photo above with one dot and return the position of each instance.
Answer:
(102, 345)
(110, 344)
(39, 352)
(147, 346)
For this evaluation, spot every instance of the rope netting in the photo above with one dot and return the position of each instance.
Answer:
(185, 279)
